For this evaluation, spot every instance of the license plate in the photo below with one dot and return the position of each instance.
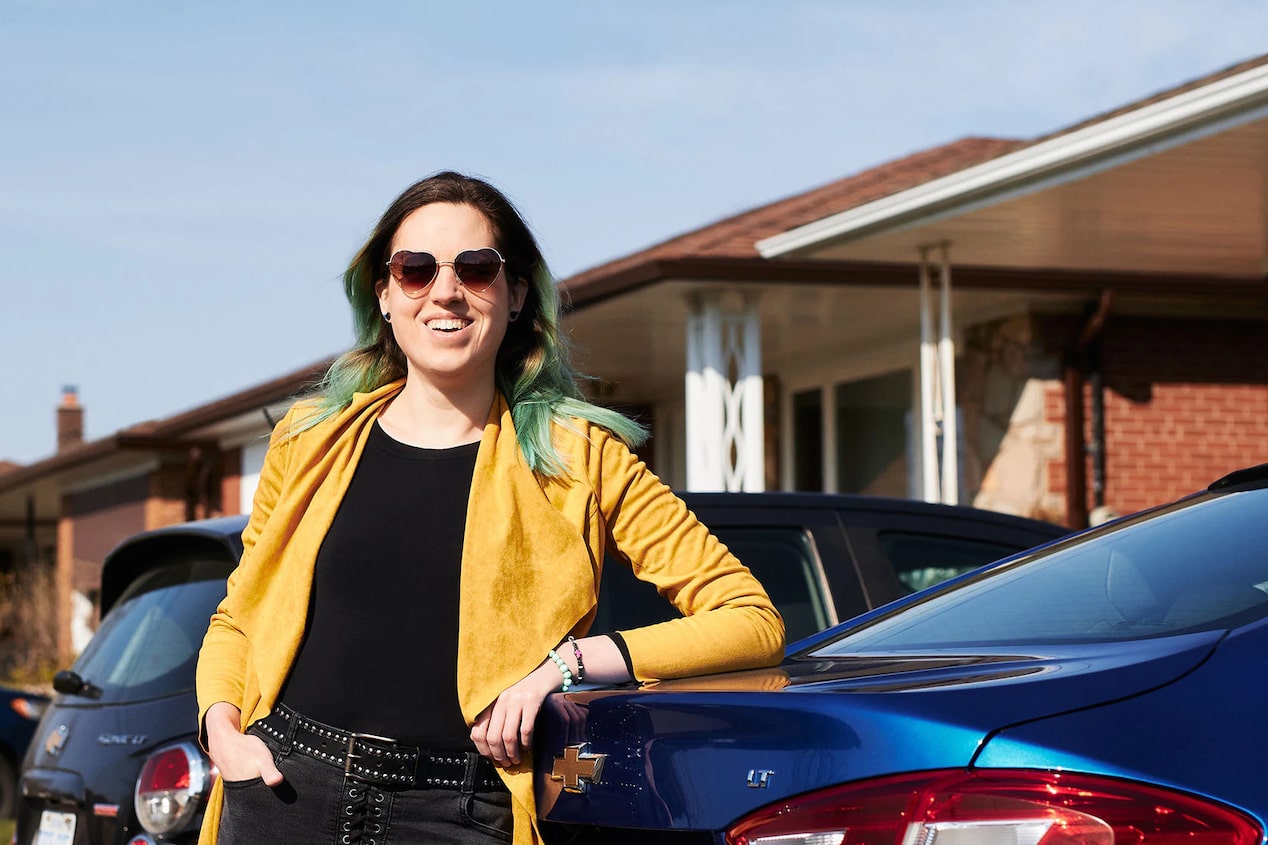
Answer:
(56, 829)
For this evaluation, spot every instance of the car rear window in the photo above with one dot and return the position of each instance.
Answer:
(1200, 565)
(782, 558)
(147, 646)
(922, 560)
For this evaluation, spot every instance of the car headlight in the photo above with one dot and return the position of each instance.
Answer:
(170, 787)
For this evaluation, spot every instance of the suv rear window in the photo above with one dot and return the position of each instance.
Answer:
(922, 560)
(148, 644)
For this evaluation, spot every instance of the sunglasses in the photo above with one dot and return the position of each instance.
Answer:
(476, 269)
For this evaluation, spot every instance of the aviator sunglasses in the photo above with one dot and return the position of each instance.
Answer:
(476, 269)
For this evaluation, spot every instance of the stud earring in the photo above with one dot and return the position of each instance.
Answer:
(514, 316)
(387, 316)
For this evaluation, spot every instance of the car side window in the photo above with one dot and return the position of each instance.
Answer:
(922, 560)
(782, 558)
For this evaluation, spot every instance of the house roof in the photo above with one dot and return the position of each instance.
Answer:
(181, 429)
(733, 239)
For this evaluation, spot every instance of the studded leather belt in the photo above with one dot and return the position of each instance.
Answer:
(376, 759)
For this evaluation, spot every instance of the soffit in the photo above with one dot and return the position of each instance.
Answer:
(1196, 208)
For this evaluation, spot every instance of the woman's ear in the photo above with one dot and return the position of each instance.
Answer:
(519, 294)
(380, 290)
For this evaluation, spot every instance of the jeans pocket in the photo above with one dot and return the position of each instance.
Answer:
(242, 784)
(488, 812)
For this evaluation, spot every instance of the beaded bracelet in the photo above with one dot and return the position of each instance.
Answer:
(563, 669)
(576, 652)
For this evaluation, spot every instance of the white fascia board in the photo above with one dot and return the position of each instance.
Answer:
(1186, 117)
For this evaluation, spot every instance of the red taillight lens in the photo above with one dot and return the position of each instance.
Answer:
(165, 770)
(169, 788)
(998, 807)
(27, 708)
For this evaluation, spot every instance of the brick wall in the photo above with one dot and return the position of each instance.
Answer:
(1186, 401)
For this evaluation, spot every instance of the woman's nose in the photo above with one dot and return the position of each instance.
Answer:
(446, 286)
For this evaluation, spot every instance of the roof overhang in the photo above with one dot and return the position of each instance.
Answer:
(1209, 110)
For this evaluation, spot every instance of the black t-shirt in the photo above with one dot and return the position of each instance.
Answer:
(380, 651)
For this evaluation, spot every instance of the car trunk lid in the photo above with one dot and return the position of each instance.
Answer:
(696, 754)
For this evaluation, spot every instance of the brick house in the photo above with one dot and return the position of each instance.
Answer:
(59, 517)
(1059, 327)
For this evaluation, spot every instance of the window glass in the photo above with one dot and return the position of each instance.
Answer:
(872, 434)
(807, 424)
(782, 558)
(1198, 566)
(922, 560)
(148, 644)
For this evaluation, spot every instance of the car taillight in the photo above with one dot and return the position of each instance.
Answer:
(995, 807)
(172, 781)
(27, 708)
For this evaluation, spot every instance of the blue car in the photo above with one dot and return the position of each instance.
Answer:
(1108, 688)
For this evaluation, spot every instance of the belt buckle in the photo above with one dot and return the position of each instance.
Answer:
(353, 738)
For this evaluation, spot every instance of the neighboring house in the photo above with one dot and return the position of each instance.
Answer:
(1105, 306)
(60, 516)
(1084, 315)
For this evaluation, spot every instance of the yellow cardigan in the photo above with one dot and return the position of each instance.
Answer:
(532, 553)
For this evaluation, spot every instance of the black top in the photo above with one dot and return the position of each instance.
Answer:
(380, 651)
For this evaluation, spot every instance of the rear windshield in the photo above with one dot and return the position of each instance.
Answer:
(1200, 565)
(148, 644)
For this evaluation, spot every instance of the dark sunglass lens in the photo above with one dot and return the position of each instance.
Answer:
(477, 268)
(414, 270)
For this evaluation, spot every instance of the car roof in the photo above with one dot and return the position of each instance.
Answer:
(133, 556)
(130, 557)
(865, 504)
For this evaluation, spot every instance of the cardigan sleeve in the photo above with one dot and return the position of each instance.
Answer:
(728, 622)
(222, 660)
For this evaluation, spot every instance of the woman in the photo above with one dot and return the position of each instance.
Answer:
(422, 560)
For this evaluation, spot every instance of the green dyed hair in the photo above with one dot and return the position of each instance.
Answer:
(534, 366)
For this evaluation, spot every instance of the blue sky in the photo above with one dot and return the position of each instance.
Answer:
(181, 183)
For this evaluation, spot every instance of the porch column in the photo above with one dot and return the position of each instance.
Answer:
(950, 407)
(725, 449)
(939, 434)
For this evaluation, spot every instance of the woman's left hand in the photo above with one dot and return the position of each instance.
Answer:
(504, 731)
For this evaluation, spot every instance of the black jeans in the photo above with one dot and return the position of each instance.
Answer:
(316, 804)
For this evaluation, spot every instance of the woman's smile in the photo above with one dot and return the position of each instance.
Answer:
(447, 325)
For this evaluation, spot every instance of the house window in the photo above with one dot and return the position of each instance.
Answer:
(873, 436)
(807, 414)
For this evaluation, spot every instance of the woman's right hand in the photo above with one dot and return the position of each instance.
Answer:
(238, 756)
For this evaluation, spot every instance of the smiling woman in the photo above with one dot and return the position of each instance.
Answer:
(419, 568)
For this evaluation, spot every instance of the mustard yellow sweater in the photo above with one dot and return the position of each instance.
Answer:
(532, 553)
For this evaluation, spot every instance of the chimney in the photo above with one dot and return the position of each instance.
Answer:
(70, 419)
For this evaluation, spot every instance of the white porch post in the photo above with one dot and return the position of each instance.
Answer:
(940, 473)
(929, 489)
(946, 369)
(725, 449)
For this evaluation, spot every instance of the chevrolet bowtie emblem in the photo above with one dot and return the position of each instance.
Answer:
(578, 768)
